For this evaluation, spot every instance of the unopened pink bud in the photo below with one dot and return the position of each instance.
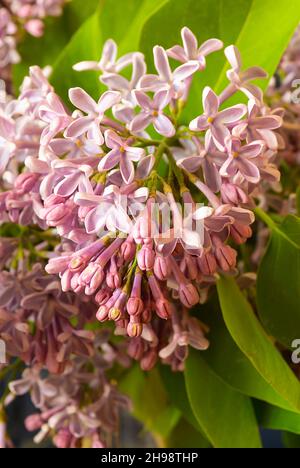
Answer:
(35, 27)
(146, 258)
(226, 257)
(134, 328)
(54, 200)
(102, 313)
(135, 306)
(25, 11)
(240, 233)
(113, 280)
(136, 349)
(116, 312)
(163, 308)
(161, 268)
(149, 360)
(188, 295)
(207, 264)
(146, 316)
(26, 181)
(63, 439)
(191, 267)
(128, 250)
(102, 296)
(33, 422)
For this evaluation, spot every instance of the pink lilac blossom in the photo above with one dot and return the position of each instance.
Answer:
(94, 179)
(121, 240)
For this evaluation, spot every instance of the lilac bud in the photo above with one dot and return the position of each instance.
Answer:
(128, 250)
(35, 27)
(134, 327)
(207, 263)
(149, 360)
(188, 295)
(226, 257)
(26, 181)
(63, 439)
(161, 268)
(146, 258)
(33, 422)
(135, 306)
(240, 233)
(163, 308)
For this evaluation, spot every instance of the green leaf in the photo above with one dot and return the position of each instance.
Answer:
(291, 441)
(232, 365)
(86, 44)
(270, 417)
(175, 386)
(252, 340)
(278, 284)
(256, 27)
(58, 31)
(151, 402)
(268, 26)
(184, 435)
(226, 417)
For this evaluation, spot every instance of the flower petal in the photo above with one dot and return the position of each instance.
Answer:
(177, 53)
(127, 170)
(186, 70)
(210, 102)
(249, 170)
(190, 43)
(143, 99)
(82, 100)
(115, 82)
(232, 114)
(209, 46)
(108, 100)
(140, 122)
(110, 160)
(78, 127)
(164, 126)
(234, 57)
(162, 63)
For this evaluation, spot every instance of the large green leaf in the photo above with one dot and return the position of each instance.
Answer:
(227, 360)
(270, 417)
(226, 417)
(58, 31)
(278, 285)
(151, 402)
(184, 435)
(256, 27)
(86, 44)
(251, 338)
(290, 440)
(175, 386)
(112, 20)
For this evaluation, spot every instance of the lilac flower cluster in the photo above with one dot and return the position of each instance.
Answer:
(78, 408)
(95, 175)
(47, 331)
(132, 211)
(18, 15)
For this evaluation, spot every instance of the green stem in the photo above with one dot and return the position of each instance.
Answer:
(144, 142)
(263, 216)
(159, 154)
(176, 170)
